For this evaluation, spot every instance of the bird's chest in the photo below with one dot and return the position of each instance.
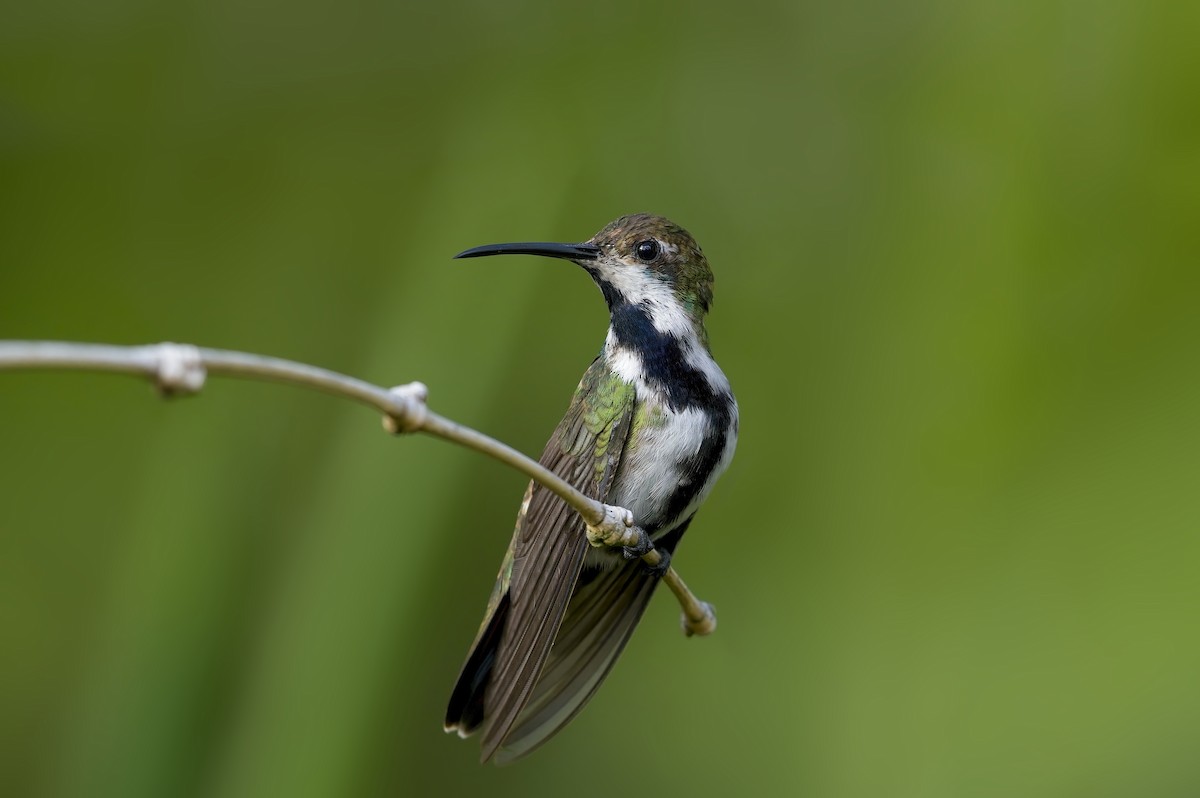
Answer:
(670, 462)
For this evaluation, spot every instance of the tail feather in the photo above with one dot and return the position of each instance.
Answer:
(601, 616)
(466, 711)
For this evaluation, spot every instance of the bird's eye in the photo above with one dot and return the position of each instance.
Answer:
(646, 251)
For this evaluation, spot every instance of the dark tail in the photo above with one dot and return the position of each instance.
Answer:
(602, 615)
(466, 711)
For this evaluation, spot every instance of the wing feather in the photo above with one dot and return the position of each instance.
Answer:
(544, 561)
(603, 612)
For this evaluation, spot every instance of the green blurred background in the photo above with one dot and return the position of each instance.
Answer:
(956, 247)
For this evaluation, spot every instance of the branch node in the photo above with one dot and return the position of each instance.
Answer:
(183, 368)
(179, 369)
(409, 411)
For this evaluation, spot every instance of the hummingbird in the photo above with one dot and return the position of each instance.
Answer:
(650, 428)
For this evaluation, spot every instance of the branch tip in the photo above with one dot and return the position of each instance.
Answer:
(702, 624)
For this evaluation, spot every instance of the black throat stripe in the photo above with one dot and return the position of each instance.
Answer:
(664, 364)
(666, 369)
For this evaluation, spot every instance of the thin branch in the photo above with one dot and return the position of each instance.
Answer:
(182, 368)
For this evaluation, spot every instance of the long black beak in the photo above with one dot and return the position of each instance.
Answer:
(568, 251)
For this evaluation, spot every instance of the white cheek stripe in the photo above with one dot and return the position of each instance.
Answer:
(665, 311)
(668, 318)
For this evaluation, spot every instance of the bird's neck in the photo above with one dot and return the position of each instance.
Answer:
(657, 344)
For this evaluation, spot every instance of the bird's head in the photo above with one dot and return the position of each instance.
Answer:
(639, 259)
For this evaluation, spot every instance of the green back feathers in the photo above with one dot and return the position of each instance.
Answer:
(605, 403)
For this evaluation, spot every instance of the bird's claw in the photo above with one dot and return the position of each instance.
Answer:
(657, 569)
(642, 547)
(618, 531)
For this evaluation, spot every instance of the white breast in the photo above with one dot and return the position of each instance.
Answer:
(669, 444)
(650, 471)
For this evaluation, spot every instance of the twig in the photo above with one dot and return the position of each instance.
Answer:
(182, 369)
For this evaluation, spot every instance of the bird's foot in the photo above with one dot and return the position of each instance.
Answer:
(617, 531)
(644, 547)
(639, 548)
